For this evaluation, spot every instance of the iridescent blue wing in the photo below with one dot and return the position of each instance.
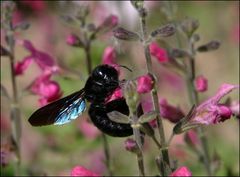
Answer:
(61, 111)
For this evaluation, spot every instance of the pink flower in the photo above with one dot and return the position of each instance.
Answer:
(181, 171)
(210, 111)
(81, 171)
(111, 21)
(201, 84)
(38, 5)
(167, 111)
(191, 138)
(116, 95)
(43, 60)
(159, 53)
(234, 106)
(89, 130)
(21, 66)
(97, 161)
(73, 40)
(130, 145)
(144, 84)
(109, 56)
(235, 34)
(47, 89)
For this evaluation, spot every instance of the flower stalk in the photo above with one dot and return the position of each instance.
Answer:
(15, 113)
(164, 149)
(87, 50)
(193, 98)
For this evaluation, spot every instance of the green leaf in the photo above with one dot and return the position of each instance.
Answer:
(147, 117)
(118, 117)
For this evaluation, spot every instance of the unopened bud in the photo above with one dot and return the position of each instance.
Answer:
(145, 84)
(201, 84)
(131, 95)
(178, 53)
(213, 45)
(123, 34)
(131, 145)
(164, 31)
(137, 4)
(189, 26)
(74, 40)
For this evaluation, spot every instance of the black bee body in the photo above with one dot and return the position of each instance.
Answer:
(98, 114)
(102, 82)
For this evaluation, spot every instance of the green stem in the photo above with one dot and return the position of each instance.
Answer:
(140, 164)
(193, 97)
(107, 154)
(164, 151)
(89, 69)
(15, 110)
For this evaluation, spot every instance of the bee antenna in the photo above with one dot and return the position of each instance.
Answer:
(126, 68)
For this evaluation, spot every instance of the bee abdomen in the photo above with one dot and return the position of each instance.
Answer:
(98, 114)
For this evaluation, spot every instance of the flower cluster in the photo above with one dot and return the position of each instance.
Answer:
(43, 86)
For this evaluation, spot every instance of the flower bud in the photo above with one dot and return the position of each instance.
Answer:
(158, 52)
(189, 26)
(201, 84)
(212, 45)
(191, 138)
(123, 34)
(178, 53)
(81, 171)
(131, 145)
(164, 31)
(111, 21)
(145, 84)
(73, 40)
(181, 171)
(137, 4)
(131, 95)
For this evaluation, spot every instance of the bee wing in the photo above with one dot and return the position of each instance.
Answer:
(61, 111)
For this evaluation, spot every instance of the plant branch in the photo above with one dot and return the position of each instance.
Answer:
(87, 49)
(15, 110)
(164, 151)
(193, 97)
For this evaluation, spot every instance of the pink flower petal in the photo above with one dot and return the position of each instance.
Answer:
(210, 111)
(173, 114)
(182, 171)
(21, 66)
(38, 5)
(81, 171)
(159, 53)
(116, 95)
(72, 40)
(44, 60)
(191, 138)
(109, 56)
(201, 84)
(144, 84)
(89, 130)
(222, 91)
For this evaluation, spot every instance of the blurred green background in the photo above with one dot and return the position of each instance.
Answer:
(54, 150)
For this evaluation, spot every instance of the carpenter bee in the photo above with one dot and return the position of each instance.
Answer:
(102, 82)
